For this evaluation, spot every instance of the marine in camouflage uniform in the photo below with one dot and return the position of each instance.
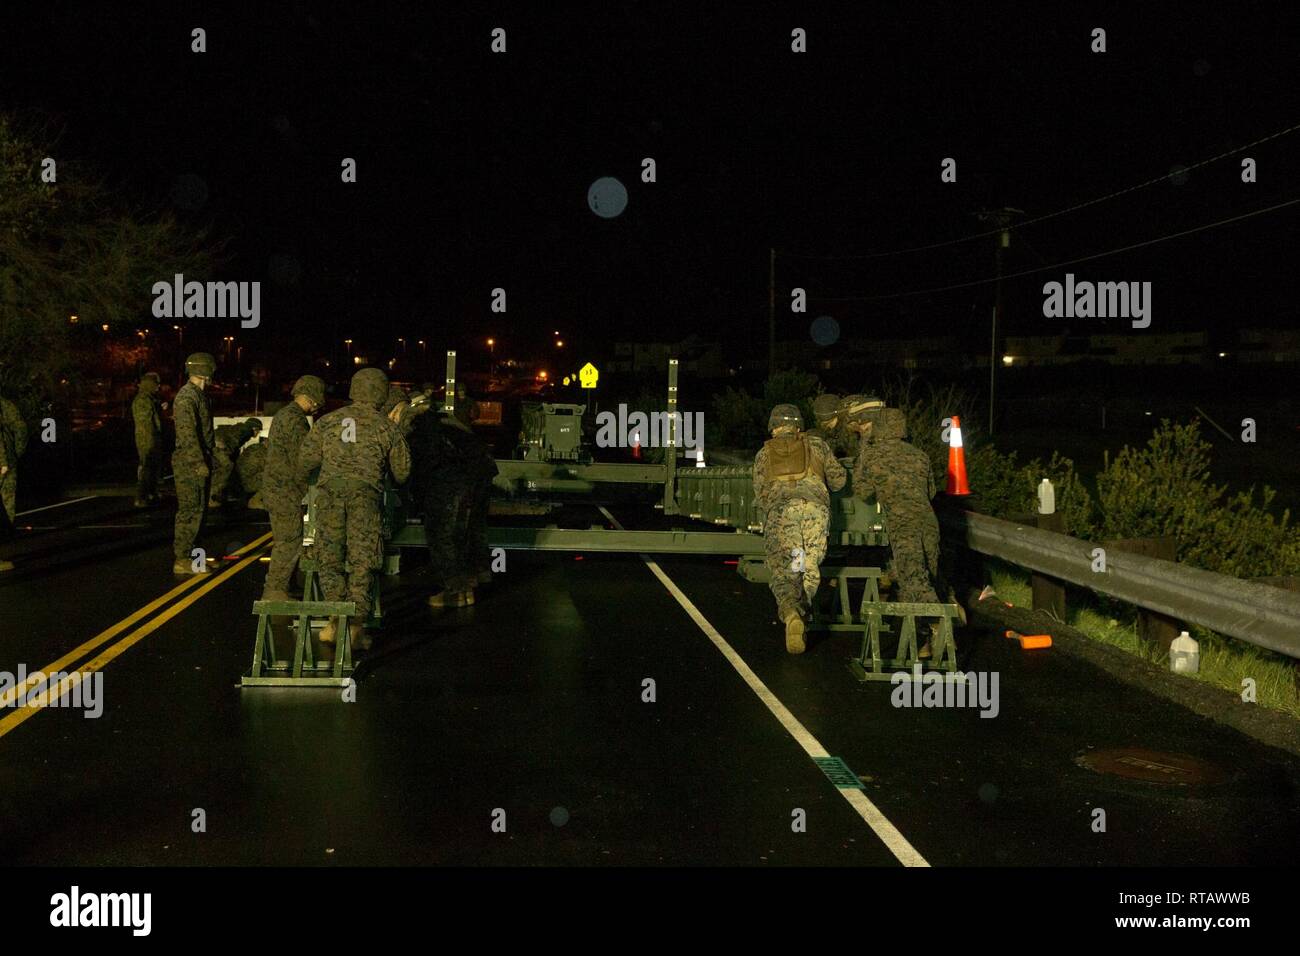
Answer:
(228, 441)
(13, 442)
(354, 448)
(480, 469)
(249, 469)
(146, 412)
(192, 458)
(826, 410)
(794, 474)
(283, 484)
(898, 474)
(453, 472)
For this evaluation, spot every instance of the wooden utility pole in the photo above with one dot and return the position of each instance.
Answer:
(1001, 219)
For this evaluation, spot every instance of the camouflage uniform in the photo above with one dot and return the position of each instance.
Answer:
(826, 410)
(147, 414)
(452, 463)
(251, 466)
(13, 442)
(229, 439)
(282, 489)
(396, 396)
(898, 474)
(349, 491)
(191, 465)
(796, 514)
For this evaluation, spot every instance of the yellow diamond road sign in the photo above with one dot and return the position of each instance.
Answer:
(588, 375)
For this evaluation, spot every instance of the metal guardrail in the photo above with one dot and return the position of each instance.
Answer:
(1257, 613)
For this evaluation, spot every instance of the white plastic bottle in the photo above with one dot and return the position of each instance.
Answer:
(1184, 655)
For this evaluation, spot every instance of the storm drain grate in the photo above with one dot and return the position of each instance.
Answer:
(838, 773)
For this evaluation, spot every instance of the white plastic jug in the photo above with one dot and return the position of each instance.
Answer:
(1046, 498)
(1184, 655)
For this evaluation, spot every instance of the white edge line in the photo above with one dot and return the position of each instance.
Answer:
(58, 504)
(897, 844)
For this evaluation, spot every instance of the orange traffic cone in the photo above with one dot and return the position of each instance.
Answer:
(956, 462)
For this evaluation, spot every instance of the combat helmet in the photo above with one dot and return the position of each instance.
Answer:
(201, 364)
(860, 408)
(826, 407)
(370, 385)
(312, 387)
(396, 396)
(891, 423)
(784, 416)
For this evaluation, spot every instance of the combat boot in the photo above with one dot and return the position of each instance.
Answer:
(926, 651)
(450, 598)
(6, 565)
(360, 637)
(186, 567)
(794, 629)
(327, 633)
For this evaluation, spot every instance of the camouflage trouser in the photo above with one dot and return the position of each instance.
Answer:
(349, 544)
(447, 509)
(147, 475)
(222, 466)
(914, 559)
(286, 535)
(9, 495)
(479, 557)
(794, 542)
(191, 499)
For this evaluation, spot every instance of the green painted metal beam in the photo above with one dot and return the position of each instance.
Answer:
(513, 469)
(599, 539)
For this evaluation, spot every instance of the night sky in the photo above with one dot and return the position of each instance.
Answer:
(473, 168)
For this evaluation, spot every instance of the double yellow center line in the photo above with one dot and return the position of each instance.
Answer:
(15, 719)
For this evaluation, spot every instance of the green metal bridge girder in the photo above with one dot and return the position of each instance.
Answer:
(598, 539)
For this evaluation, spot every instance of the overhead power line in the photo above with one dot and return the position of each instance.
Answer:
(1057, 265)
(1043, 218)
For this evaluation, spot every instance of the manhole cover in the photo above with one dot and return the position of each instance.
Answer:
(1151, 766)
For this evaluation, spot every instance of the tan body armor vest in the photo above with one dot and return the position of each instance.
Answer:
(789, 458)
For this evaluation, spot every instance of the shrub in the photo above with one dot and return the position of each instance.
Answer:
(739, 420)
(1165, 489)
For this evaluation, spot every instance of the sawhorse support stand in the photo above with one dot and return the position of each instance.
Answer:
(870, 665)
(304, 671)
(846, 617)
(311, 592)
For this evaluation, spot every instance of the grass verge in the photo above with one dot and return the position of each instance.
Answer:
(1225, 662)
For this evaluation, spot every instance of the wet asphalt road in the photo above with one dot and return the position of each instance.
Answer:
(529, 706)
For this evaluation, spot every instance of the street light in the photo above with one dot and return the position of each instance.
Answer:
(348, 343)
(559, 343)
(180, 337)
